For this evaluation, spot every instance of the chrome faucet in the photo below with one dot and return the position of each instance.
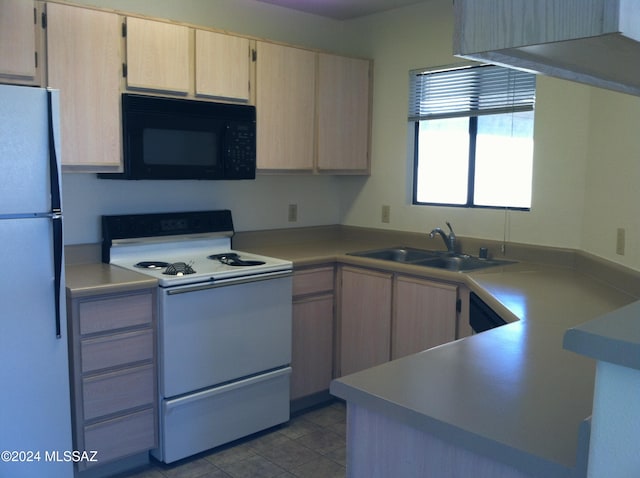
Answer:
(450, 240)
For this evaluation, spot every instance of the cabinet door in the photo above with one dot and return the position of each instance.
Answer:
(222, 65)
(158, 56)
(365, 319)
(343, 113)
(285, 89)
(85, 65)
(424, 315)
(312, 350)
(18, 41)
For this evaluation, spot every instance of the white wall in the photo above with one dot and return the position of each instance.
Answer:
(612, 195)
(420, 36)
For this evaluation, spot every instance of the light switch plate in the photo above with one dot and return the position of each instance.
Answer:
(386, 214)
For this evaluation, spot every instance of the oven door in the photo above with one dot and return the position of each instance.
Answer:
(215, 333)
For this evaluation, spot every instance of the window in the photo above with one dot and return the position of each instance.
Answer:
(473, 136)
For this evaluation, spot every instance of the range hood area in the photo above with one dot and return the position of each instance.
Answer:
(596, 42)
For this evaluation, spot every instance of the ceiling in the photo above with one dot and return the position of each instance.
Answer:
(342, 9)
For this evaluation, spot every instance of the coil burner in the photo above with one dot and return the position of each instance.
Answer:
(233, 259)
(151, 265)
(179, 269)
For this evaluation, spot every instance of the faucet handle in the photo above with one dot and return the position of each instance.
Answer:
(450, 228)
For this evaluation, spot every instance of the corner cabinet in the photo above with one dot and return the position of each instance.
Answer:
(344, 114)
(112, 341)
(84, 63)
(20, 42)
(425, 315)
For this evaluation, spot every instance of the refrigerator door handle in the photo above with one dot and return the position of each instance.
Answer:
(56, 215)
(56, 222)
(56, 201)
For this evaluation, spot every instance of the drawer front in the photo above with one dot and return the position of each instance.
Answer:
(203, 420)
(115, 313)
(312, 281)
(118, 391)
(122, 436)
(116, 350)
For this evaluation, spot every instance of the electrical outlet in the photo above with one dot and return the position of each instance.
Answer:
(386, 214)
(293, 213)
(620, 240)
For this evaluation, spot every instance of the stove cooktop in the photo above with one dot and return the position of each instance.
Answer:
(181, 248)
(185, 264)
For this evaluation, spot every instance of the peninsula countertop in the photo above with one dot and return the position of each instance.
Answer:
(512, 393)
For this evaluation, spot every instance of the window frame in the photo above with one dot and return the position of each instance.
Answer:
(472, 132)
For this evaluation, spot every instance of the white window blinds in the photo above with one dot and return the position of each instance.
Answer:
(469, 91)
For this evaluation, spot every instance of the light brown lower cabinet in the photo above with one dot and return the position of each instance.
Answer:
(313, 331)
(424, 315)
(383, 316)
(364, 318)
(113, 374)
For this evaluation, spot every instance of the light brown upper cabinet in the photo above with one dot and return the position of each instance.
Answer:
(158, 56)
(285, 103)
(84, 63)
(19, 42)
(343, 114)
(222, 64)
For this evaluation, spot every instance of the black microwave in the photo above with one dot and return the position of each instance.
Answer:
(169, 138)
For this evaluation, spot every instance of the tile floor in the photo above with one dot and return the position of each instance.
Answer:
(310, 445)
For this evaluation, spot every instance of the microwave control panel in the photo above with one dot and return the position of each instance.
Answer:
(240, 154)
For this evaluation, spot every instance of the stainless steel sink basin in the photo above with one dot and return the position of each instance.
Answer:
(461, 262)
(427, 258)
(399, 254)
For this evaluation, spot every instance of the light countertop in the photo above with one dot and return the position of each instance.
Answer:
(613, 338)
(84, 280)
(511, 393)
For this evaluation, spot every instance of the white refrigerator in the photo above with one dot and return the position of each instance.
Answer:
(35, 415)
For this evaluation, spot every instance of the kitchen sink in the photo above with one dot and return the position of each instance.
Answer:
(399, 254)
(461, 262)
(427, 258)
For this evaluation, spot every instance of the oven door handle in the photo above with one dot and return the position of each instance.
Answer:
(204, 394)
(228, 282)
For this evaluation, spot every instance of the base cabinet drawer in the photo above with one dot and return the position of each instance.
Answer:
(113, 367)
(219, 415)
(313, 281)
(116, 350)
(122, 436)
(115, 313)
(111, 393)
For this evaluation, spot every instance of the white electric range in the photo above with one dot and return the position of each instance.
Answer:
(224, 327)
